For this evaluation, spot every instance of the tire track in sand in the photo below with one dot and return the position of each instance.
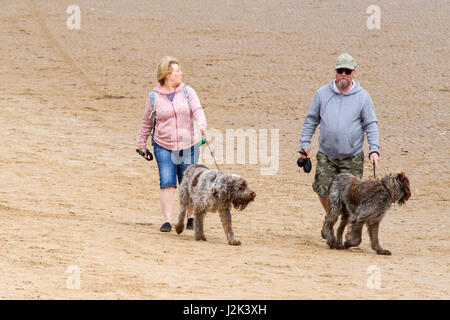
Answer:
(58, 49)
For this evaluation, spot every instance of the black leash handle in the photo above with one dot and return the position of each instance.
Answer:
(147, 155)
(303, 152)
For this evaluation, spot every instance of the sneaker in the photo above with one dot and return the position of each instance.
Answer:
(190, 224)
(166, 227)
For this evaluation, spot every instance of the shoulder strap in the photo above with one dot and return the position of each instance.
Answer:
(186, 94)
(152, 101)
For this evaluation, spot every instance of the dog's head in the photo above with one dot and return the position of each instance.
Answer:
(400, 187)
(238, 192)
(403, 183)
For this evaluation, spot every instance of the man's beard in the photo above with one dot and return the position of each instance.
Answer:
(343, 83)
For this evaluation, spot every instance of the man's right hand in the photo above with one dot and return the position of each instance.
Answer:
(307, 153)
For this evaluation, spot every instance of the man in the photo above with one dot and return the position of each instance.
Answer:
(344, 112)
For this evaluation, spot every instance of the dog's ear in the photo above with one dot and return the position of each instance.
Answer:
(404, 185)
(224, 190)
(215, 192)
(235, 186)
(230, 185)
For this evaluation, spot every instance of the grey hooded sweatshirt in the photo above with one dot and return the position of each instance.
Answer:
(343, 119)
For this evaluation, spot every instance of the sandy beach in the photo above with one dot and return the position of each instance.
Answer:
(80, 209)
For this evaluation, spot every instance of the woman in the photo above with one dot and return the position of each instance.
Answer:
(176, 107)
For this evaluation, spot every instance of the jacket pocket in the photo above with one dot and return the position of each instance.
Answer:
(327, 141)
(356, 139)
(351, 140)
(345, 145)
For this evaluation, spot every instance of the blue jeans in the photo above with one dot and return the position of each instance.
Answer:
(173, 163)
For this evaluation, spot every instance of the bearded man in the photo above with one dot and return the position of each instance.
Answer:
(344, 111)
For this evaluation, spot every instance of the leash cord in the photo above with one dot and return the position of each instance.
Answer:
(212, 155)
(374, 170)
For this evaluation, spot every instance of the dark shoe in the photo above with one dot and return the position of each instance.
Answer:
(190, 224)
(166, 227)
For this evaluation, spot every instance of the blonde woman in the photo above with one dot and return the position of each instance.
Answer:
(170, 112)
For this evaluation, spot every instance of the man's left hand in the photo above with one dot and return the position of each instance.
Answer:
(374, 159)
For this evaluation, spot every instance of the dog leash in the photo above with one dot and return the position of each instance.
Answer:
(388, 190)
(373, 162)
(147, 155)
(374, 176)
(212, 155)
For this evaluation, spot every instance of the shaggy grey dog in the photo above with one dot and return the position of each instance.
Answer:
(212, 190)
(365, 202)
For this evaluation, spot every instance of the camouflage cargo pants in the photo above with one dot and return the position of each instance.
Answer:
(327, 168)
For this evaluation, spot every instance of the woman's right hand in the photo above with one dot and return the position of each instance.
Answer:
(146, 154)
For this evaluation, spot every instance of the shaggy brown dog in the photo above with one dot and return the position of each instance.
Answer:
(365, 202)
(212, 190)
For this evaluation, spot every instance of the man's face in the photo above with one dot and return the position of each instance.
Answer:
(344, 77)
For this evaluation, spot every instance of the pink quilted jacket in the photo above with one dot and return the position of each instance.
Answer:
(174, 126)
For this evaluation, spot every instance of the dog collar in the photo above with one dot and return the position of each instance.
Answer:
(389, 191)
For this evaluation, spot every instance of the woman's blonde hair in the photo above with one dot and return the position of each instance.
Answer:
(165, 68)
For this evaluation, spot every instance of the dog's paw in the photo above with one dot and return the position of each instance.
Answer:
(200, 237)
(331, 243)
(340, 246)
(179, 228)
(234, 242)
(384, 252)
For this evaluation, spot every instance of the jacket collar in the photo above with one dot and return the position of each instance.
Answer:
(159, 88)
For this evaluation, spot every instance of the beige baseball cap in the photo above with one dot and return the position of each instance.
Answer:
(345, 61)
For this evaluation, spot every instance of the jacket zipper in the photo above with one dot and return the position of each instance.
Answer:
(338, 121)
(176, 119)
(175, 114)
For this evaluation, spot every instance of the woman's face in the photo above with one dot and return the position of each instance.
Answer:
(176, 75)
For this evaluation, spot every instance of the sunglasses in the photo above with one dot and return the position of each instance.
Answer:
(342, 70)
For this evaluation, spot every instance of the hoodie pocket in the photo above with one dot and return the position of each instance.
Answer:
(345, 145)
(327, 141)
(350, 140)
(356, 139)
